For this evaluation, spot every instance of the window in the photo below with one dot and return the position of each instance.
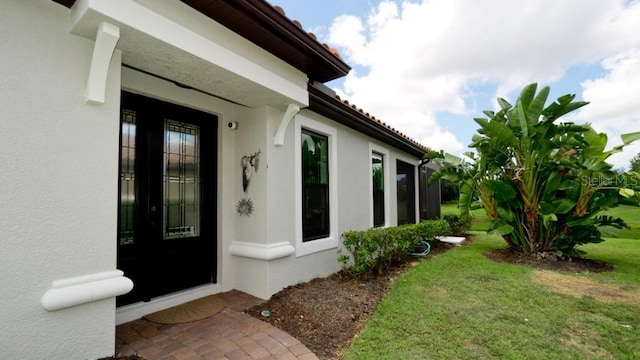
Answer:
(181, 180)
(377, 173)
(127, 177)
(406, 192)
(429, 194)
(315, 186)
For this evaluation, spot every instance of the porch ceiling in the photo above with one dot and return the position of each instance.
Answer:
(157, 45)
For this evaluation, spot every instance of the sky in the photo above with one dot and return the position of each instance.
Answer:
(428, 67)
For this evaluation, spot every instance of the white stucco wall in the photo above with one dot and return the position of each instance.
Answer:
(354, 206)
(58, 198)
(59, 156)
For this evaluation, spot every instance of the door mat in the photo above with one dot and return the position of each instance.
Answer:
(188, 312)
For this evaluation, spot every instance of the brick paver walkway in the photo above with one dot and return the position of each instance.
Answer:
(230, 334)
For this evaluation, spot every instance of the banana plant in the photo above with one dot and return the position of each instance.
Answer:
(537, 177)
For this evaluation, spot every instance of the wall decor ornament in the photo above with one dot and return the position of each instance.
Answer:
(244, 207)
(249, 164)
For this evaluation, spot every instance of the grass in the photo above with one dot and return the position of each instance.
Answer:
(631, 215)
(460, 305)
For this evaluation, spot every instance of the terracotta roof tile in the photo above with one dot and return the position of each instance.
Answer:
(297, 23)
(378, 121)
(280, 10)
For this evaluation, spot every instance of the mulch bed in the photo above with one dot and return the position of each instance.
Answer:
(550, 261)
(326, 314)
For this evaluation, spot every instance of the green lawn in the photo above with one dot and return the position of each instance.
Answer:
(630, 214)
(460, 305)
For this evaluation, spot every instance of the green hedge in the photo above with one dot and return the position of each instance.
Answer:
(458, 224)
(373, 251)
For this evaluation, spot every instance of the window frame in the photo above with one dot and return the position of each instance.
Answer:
(323, 187)
(331, 241)
(386, 178)
(416, 210)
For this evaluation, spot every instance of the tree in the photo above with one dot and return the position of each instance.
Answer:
(635, 163)
(449, 191)
(543, 183)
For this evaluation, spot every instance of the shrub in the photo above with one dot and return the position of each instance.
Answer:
(543, 183)
(373, 251)
(458, 224)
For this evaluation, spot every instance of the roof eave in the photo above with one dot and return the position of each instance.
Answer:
(324, 103)
(262, 24)
(321, 63)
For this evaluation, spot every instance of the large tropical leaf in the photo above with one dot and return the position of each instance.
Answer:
(563, 206)
(500, 227)
(504, 104)
(523, 122)
(630, 137)
(467, 191)
(507, 214)
(597, 142)
(500, 133)
(503, 190)
(527, 94)
(605, 220)
(553, 184)
(537, 105)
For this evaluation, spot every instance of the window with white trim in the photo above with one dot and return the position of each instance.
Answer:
(378, 183)
(316, 186)
(379, 186)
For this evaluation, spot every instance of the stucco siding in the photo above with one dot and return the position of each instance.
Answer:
(59, 157)
(354, 206)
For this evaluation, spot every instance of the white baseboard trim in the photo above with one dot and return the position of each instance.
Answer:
(261, 251)
(84, 289)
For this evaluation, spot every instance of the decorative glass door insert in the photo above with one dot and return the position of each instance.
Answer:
(181, 180)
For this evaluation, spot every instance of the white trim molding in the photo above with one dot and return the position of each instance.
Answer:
(261, 251)
(386, 168)
(330, 242)
(416, 182)
(85, 289)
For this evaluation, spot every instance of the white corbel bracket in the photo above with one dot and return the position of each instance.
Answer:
(106, 39)
(292, 110)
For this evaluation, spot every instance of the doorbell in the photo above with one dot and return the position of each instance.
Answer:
(233, 125)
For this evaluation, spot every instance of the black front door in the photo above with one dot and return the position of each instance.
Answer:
(167, 219)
